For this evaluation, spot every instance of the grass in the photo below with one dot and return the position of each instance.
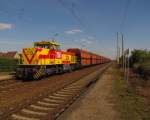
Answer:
(130, 105)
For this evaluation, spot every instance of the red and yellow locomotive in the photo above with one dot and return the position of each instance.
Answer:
(46, 58)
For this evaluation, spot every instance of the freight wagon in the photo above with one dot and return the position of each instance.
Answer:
(85, 58)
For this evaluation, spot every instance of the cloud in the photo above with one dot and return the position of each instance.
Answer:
(83, 40)
(4, 26)
(86, 41)
(74, 31)
(91, 38)
(89, 42)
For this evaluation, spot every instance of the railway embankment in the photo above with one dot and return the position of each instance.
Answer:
(111, 98)
(129, 97)
(17, 94)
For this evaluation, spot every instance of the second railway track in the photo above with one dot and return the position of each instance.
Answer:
(6, 84)
(49, 105)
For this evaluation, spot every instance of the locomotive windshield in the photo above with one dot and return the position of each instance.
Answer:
(47, 45)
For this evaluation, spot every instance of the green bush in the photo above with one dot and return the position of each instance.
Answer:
(140, 62)
(7, 64)
(139, 56)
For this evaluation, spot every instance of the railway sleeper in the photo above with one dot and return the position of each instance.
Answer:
(51, 101)
(38, 107)
(63, 99)
(48, 104)
(66, 93)
(66, 106)
(62, 95)
(32, 114)
(28, 111)
(71, 88)
(20, 117)
(70, 91)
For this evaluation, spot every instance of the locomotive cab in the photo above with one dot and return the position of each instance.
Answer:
(47, 45)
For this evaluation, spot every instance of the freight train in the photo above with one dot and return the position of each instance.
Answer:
(46, 58)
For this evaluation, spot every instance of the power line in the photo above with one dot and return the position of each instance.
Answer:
(125, 14)
(124, 17)
(72, 11)
(76, 16)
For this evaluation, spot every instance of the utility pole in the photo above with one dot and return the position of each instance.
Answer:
(117, 48)
(127, 64)
(119, 53)
(128, 70)
(122, 50)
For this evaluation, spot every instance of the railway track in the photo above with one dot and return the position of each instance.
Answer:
(13, 84)
(49, 106)
(7, 83)
(10, 85)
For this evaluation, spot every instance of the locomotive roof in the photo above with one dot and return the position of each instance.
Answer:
(47, 43)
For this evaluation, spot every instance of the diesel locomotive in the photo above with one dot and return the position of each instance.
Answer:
(46, 58)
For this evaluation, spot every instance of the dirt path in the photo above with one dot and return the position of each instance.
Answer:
(96, 103)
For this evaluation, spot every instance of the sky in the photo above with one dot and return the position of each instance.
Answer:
(88, 24)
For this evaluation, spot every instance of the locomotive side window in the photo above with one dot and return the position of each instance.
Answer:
(48, 46)
(42, 46)
(52, 47)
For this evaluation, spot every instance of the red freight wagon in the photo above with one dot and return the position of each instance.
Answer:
(102, 59)
(84, 57)
(98, 59)
(94, 59)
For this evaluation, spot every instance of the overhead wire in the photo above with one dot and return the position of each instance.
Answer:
(82, 24)
(76, 16)
(125, 13)
(17, 12)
